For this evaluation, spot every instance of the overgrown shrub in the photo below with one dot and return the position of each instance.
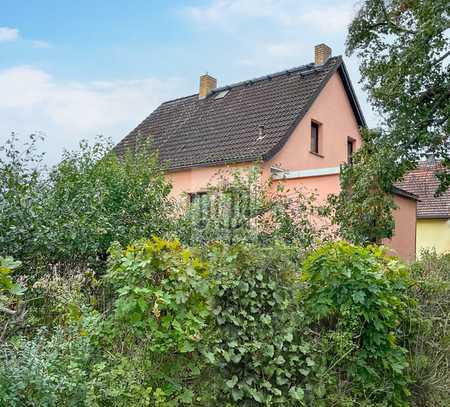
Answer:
(11, 293)
(47, 370)
(158, 325)
(66, 218)
(20, 195)
(359, 297)
(236, 317)
(428, 337)
(162, 290)
(263, 355)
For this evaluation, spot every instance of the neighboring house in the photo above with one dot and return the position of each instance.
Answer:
(300, 124)
(433, 212)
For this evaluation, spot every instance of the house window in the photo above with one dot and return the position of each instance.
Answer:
(350, 148)
(315, 134)
(196, 196)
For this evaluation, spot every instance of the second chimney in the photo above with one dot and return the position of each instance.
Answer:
(321, 54)
(207, 84)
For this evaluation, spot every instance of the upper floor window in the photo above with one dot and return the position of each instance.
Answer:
(350, 149)
(315, 137)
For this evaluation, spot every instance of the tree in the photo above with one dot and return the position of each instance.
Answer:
(404, 50)
(363, 209)
(68, 216)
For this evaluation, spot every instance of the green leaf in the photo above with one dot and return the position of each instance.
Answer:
(187, 396)
(232, 382)
(296, 393)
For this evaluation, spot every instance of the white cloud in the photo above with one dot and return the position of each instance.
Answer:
(8, 34)
(70, 111)
(286, 13)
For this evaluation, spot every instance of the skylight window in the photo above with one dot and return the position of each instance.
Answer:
(221, 94)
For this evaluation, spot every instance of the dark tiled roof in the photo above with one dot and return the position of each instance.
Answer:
(423, 183)
(189, 132)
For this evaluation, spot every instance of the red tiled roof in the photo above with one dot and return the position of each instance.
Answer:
(423, 183)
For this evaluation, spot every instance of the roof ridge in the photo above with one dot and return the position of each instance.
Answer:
(264, 77)
(277, 74)
(180, 98)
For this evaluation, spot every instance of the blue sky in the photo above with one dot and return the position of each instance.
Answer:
(75, 69)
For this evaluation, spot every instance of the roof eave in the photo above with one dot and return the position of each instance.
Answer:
(405, 194)
(352, 95)
(430, 217)
(212, 164)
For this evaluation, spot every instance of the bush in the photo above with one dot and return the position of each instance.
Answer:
(263, 355)
(11, 293)
(239, 319)
(44, 371)
(151, 340)
(359, 298)
(67, 218)
(162, 290)
(21, 190)
(428, 337)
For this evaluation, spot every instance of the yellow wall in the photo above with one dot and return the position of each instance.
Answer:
(433, 233)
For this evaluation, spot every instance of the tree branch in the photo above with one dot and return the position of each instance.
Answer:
(393, 25)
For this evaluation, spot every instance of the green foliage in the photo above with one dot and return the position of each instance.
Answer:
(361, 295)
(428, 336)
(20, 195)
(8, 287)
(157, 327)
(96, 199)
(363, 208)
(238, 325)
(11, 293)
(404, 49)
(68, 217)
(44, 371)
(229, 322)
(162, 291)
(259, 348)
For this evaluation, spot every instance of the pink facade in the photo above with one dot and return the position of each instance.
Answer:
(337, 123)
(403, 243)
(316, 172)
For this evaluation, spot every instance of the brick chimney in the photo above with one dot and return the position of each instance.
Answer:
(321, 54)
(207, 84)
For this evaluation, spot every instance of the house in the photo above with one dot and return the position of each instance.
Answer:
(433, 212)
(301, 124)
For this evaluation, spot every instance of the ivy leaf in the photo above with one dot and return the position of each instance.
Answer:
(296, 393)
(236, 394)
(232, 382)
(187, 396)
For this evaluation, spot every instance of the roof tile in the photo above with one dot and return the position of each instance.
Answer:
(423, 183)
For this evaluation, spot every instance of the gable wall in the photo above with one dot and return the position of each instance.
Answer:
(333, 110)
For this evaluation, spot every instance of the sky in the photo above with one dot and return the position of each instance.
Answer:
(72, 70)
